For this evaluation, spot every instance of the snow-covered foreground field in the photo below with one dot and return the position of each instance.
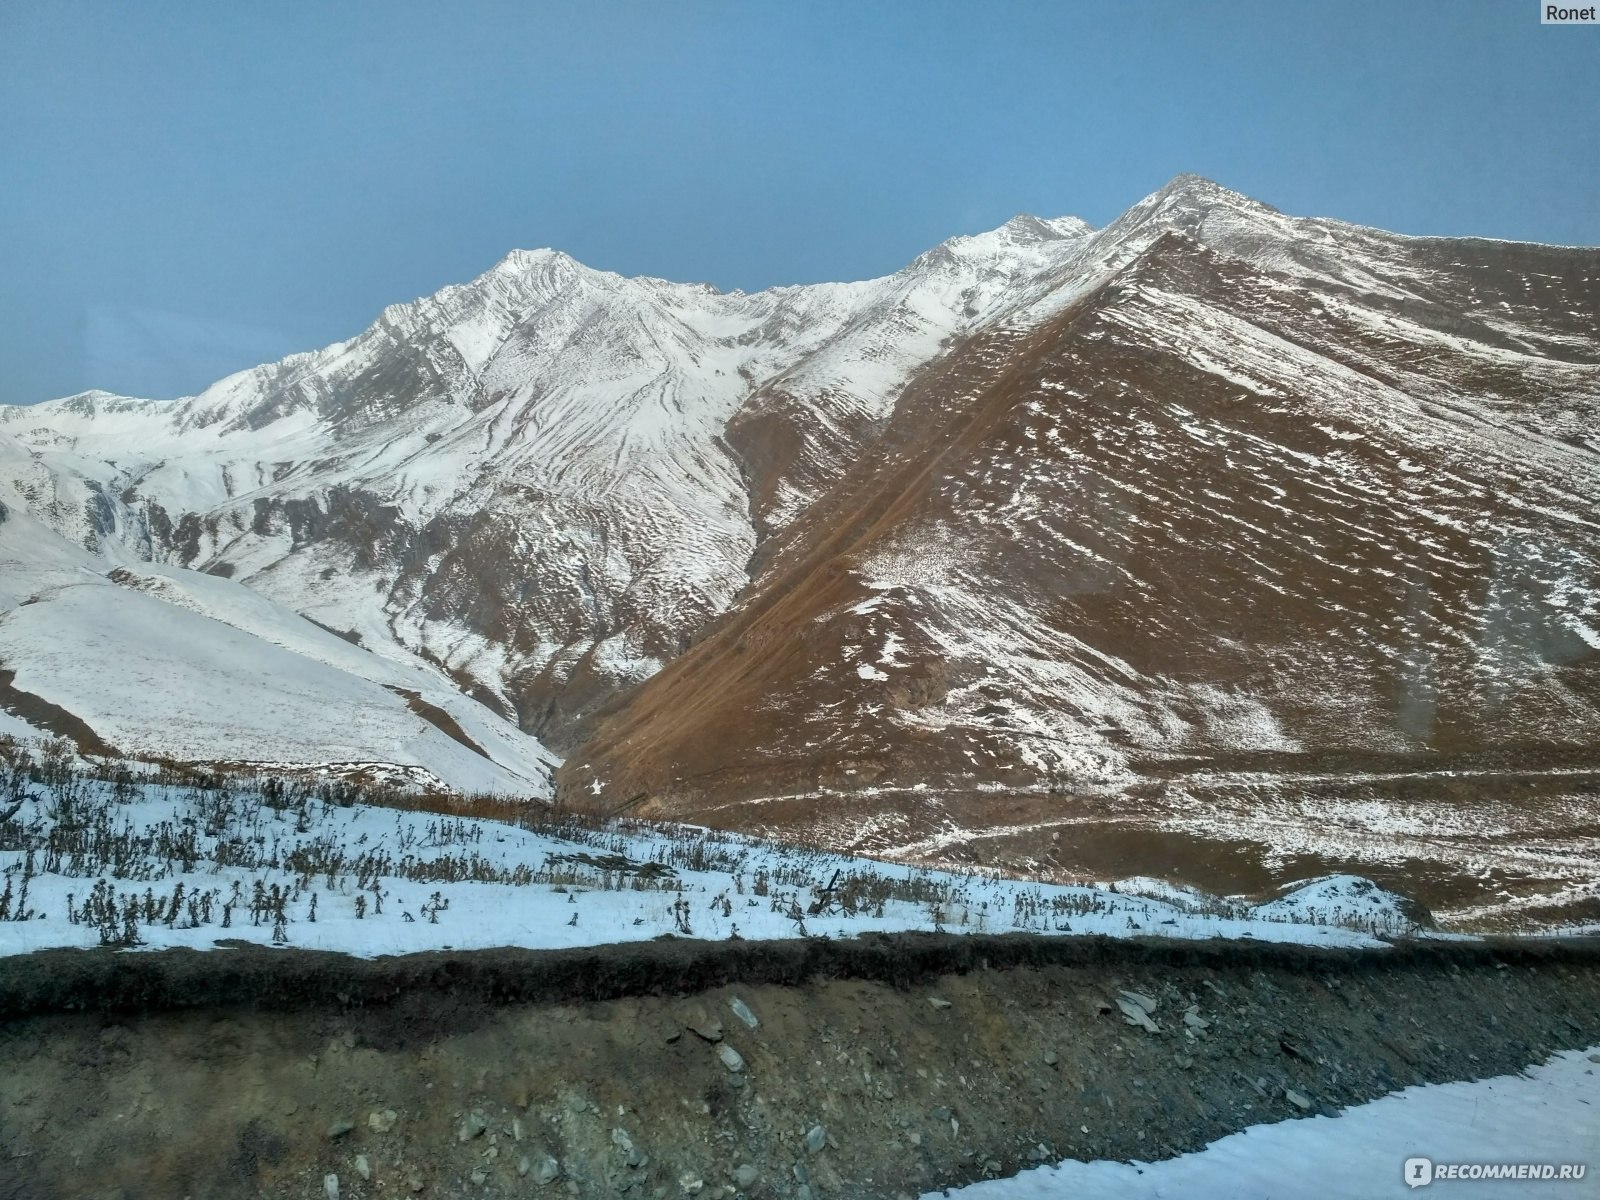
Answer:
(1549, 1114)
(141, 864)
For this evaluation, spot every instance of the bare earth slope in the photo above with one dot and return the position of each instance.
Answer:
(1275, 499)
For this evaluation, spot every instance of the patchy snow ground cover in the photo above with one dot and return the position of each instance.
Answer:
(86, 862)
(1549, 1114)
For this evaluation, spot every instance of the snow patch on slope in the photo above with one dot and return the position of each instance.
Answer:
(173, 663)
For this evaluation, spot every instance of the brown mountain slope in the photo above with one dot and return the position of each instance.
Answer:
(1229, 510)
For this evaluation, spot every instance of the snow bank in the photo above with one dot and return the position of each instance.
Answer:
(1548, 1114)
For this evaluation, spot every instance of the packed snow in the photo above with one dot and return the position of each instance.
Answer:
(1546, 1117)
(164, 662)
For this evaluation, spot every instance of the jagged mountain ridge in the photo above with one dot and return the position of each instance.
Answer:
(529, 473)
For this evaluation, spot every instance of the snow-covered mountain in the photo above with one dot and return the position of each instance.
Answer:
(1054, 523)
(528, 480)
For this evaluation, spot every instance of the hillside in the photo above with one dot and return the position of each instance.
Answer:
(1255, 548)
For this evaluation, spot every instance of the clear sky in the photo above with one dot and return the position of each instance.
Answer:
(189, 188)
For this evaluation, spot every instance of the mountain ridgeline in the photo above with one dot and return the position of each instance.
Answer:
(1057, 533)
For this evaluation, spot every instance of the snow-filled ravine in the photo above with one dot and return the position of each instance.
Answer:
(1510, 1136)
(141, 864)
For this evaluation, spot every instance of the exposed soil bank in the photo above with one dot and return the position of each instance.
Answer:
(253, 976)
(919, 1061)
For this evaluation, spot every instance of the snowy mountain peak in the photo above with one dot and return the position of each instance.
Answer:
(1022, 240)
(1024, 227)
(529, 260)
(545, 266)
(1195, 206)
(1190, 189)
(89, 402)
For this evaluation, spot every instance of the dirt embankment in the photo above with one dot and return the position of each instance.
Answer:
(878, 1068)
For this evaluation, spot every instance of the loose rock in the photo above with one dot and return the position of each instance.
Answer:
(339, 1128)
(1136, 1014)
(363, 1167)
(707, 1029)
(742, 1011)
(816, 1138)
(330, 1186)
(745, 1176)
(546, 1170)
(382, 1122)
(730, 1057)
(472, 1125)
(1298, 1099)
(938, 1002)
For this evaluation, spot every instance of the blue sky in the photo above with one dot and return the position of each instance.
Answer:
(192, 188)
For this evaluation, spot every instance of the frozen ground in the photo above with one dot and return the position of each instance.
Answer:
(141, 864)
(1549, 1114)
